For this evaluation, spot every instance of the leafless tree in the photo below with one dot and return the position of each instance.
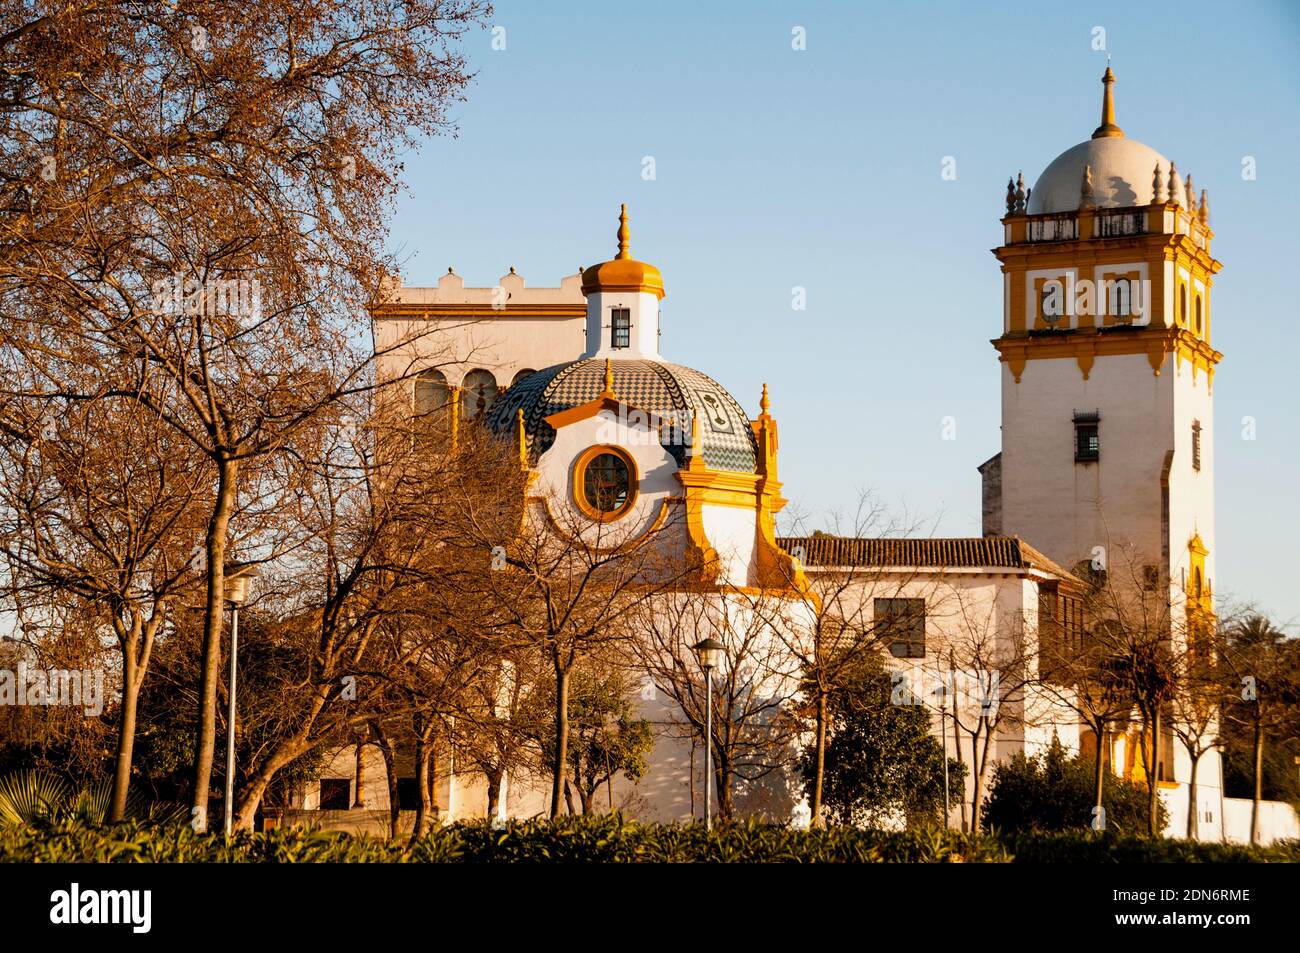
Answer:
(1261, 668)
(755, 692)
(842, 584)
(99, 506)
(164, 221)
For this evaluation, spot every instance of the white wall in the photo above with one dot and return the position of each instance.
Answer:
(1064, 508)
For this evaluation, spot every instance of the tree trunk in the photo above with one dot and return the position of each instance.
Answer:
(493, 776)
(250, 797)
(1153, 782)
(568, 798)
(432, 777)
(561, 760)
(1257, 793)
(390, 769)
(692, 778)
(819, 774)
(956, 747)
(125, 733)
(227, 475)
(586, 796)
(360, 800)
(722, 779)
(979, 763)
(248, 800)
(1193, 822)
(1099, 779)
(422, 756)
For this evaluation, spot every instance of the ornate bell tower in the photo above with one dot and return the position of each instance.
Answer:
(1107, 367)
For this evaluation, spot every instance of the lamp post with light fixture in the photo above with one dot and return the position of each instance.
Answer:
(237, 577)
(709, 652)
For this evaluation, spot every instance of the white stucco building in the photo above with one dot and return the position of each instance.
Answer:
(1106, 464)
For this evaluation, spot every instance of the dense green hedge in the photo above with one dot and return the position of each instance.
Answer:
(603, 840)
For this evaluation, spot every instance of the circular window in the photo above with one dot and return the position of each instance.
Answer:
(605, 483)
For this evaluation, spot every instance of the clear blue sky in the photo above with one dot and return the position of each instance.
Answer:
(821, 168)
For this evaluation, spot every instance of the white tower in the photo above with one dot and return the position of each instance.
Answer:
(1107, 370)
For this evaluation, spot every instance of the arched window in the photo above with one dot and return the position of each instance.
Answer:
(604, 483)
(431, 393)
(1198, 314)
(477, 391)
(521, 375)
(1182, 305)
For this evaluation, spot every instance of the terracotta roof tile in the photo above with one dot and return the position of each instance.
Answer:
(965, 552)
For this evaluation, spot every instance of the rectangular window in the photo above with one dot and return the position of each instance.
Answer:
(408, 794)
(1071, 623)
(334, 794)
(1196, 445)
(1119, 296)
(901, 622)
(1087, 439)
(622, 326)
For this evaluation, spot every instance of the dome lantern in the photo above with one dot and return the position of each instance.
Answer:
(623, 297)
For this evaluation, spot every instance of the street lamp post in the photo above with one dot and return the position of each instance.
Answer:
(237, 576)
(709, 652)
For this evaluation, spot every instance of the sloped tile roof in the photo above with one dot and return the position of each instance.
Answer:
(965, 552)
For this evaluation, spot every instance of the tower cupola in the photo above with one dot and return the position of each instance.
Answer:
(623, 297)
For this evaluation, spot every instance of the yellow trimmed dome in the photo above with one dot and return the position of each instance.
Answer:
(624, 273)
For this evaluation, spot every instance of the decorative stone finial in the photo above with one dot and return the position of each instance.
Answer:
(609, 379)
(624, 234)
(1203, 213)
(1085, 190)
(1157, 185)
(1173, 181)
(1191, 193)
(1020, 193)
(1011, 196)
(764, 405)
(1107, 127)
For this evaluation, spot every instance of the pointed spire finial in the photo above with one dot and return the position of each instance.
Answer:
(764, 405)
(624, 235)
(1107, 127)
(1085, 191)
(1011, 196)
(1191, 194)
(1020, 193)
(1204, 212)
(1157, 186)
(609, 379)
(1173, 181)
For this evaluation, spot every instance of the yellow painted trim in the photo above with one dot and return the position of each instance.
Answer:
(1085, 345)
(591, 408)
(626, 545)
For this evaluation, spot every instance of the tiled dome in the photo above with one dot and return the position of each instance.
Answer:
(668, 390)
